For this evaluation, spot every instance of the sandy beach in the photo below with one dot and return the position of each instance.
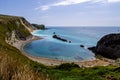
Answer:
(52, 62)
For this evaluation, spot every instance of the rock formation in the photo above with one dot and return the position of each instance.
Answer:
(108, 46)
(14, 28)
(59, 38)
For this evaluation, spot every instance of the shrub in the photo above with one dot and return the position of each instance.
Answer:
(67, 66)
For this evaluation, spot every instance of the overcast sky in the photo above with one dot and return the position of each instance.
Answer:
(65, 12)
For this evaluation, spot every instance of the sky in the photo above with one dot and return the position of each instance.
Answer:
(65, 12)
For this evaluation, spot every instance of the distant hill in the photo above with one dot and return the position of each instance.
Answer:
(37, 26)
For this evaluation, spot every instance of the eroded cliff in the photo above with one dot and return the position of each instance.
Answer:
(14, 28)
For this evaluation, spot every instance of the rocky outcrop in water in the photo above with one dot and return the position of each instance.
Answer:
(108, 46)
(59, 38)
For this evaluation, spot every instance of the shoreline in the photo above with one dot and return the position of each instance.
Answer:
(54, 62)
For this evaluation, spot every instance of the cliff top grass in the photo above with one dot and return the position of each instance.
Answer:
(10, 23)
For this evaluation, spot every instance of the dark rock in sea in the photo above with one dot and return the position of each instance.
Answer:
(54, 33)
(59, 38)
(69, 41)
(109, 46)
(82, 46)
(93, 49)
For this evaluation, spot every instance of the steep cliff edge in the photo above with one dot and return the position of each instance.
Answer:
(14, 28)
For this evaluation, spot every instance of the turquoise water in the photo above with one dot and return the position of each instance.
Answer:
(56, 49)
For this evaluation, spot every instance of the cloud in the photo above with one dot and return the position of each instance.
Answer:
(45, 7)
(61, 3)
(111, 1)
(72, 2)
(69, 2)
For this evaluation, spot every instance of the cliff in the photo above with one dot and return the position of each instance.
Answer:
(14, 28)
(109, 46)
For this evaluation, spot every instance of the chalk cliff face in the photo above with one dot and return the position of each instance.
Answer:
(109, 46)
(14, 28)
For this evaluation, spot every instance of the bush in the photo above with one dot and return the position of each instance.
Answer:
(67, 66)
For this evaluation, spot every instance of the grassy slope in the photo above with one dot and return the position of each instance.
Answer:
(8, 24)
(15, 63)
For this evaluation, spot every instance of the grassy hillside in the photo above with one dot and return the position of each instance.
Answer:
(15, 66)
(12, 63)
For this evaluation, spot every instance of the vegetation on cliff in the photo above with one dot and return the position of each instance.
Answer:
(15, 66)
(42, 27)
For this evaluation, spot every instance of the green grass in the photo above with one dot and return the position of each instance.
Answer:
(62, 72)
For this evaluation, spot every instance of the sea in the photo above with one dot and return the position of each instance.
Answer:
(52, 48)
